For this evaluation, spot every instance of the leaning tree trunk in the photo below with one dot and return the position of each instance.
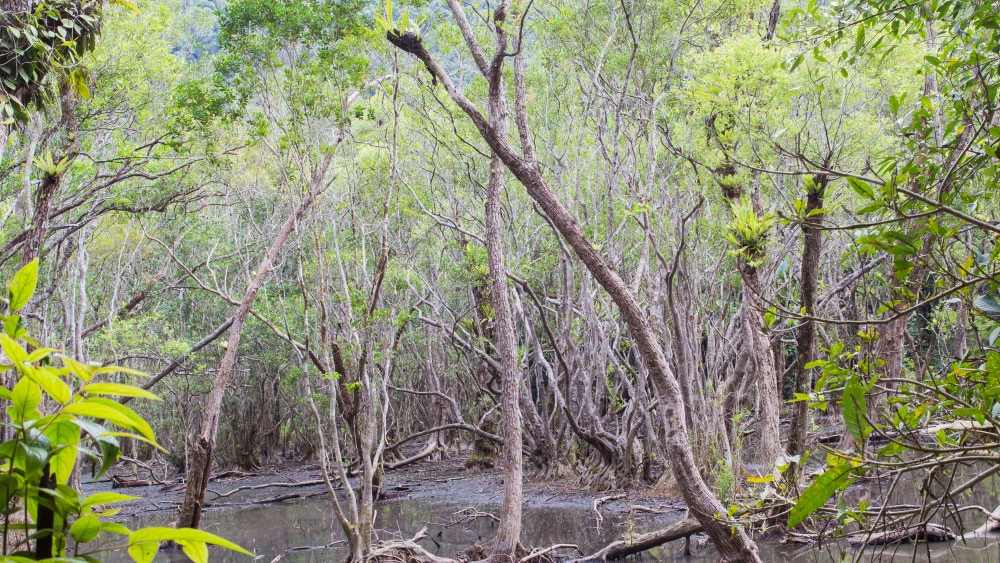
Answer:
(732, 542)
(202, 446)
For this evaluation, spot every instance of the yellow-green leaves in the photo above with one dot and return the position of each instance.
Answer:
(143, 544)
(119, 390)
(24, 399)
(748, 231)
(22, 286)
(66, 436)
(112, 412)
(85, 529)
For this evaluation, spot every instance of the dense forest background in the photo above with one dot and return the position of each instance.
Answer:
(290, 215)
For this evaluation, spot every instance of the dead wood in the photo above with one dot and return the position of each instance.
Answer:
(642, 542)
(909, 534)
(405, 551)
(122, 483)
(219, 495)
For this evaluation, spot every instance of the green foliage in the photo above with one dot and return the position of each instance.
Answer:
(57, 412)
(53, 36)
(835, 478)
(748, 232)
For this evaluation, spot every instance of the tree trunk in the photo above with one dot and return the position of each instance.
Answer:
(731, 541)
(761, 358)
(202, 446)
(805, 339)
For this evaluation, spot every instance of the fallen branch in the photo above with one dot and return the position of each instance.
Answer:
(427, 452)
(219, 495)
(605, 499)
(406, 551)
(536, 553)
(642, 542)
(911, 534)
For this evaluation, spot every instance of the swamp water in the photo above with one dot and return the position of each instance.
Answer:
(278, 529)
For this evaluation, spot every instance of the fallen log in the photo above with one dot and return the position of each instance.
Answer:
(122, 483)
(642, 542)
(909, 534)
(219, 495)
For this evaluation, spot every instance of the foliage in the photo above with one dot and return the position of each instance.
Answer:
(54, 34)
(57, 412)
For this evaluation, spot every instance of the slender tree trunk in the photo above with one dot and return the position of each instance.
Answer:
(731, 541)
(509, 530)
(812, 229)
(52, 179)
(202, 447)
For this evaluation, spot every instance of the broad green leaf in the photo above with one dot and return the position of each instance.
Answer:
(818, 493)
(143, 552)
(85, 529)
(14, 351)
(51, 383)
(119, 390)
(25, 398)
(197, 551)
(855, 409)
(22, 286)
(115, 528)
(65, 437)
(81, 370)
(113, 412)
(182, 535)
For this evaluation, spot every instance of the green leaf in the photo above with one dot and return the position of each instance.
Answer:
(115, 528)
(85, 529)
(156, 535)
(22, 286)
(112, 412)
(818, 493)
(49, 382)
(25, 399)
(81, 370)
(65, 437)
(197, 551)
(143, 552)
(119, 390)
(855, 408)
(17, 354)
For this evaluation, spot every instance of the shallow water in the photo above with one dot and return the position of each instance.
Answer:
(276, 530)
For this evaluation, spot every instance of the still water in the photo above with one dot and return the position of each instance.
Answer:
(282, 530)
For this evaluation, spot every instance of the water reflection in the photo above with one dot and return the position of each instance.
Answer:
(278, 529)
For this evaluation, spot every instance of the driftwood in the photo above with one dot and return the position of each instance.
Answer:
(406, 551)
(122, 483)
(642, 542)
(910, 534)
(219, 495)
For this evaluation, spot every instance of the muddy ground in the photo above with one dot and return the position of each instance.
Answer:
(446, 481)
